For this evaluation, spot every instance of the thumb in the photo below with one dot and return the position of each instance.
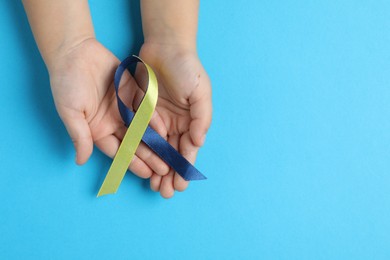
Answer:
(80, 133)
(201, 113)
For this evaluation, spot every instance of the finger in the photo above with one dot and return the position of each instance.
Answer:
(158, 125)
(110, 144)
(201, 112)
(152, 160)
(166, 189)
(155, 182)
(146, 154)
(139, 168)
(80, 133)
(189, 151)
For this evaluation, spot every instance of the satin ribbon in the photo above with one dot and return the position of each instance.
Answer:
(138, 129)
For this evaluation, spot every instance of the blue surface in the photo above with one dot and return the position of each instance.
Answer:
(298, 156)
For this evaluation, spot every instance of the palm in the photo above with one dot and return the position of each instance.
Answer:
(83, 86)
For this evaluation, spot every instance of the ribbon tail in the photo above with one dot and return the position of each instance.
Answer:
(172, 157)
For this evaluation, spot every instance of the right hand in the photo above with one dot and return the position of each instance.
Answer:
(82, 86)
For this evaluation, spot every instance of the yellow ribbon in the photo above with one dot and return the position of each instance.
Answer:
(132, 137)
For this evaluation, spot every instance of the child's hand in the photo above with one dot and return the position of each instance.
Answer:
(82, 81)
(82, 86)
(184, 105)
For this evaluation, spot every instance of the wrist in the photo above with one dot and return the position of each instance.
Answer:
(167, 32)
(58, 26)
(170, 22)
(53, 55)
(167, 50)
(171, 40)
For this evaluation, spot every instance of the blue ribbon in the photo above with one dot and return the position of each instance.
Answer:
(151, 138)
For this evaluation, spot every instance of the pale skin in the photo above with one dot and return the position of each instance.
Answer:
(81, 74)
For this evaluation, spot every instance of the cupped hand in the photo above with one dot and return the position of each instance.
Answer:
(82, 86)
(184, 105)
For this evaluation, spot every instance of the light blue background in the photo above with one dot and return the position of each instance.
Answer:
(298, 156)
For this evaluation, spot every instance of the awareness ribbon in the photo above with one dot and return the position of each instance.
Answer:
(139, 129)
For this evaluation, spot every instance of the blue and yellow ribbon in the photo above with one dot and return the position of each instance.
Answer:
(138, 130)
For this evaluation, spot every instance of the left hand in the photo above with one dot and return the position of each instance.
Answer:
(184, 105)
